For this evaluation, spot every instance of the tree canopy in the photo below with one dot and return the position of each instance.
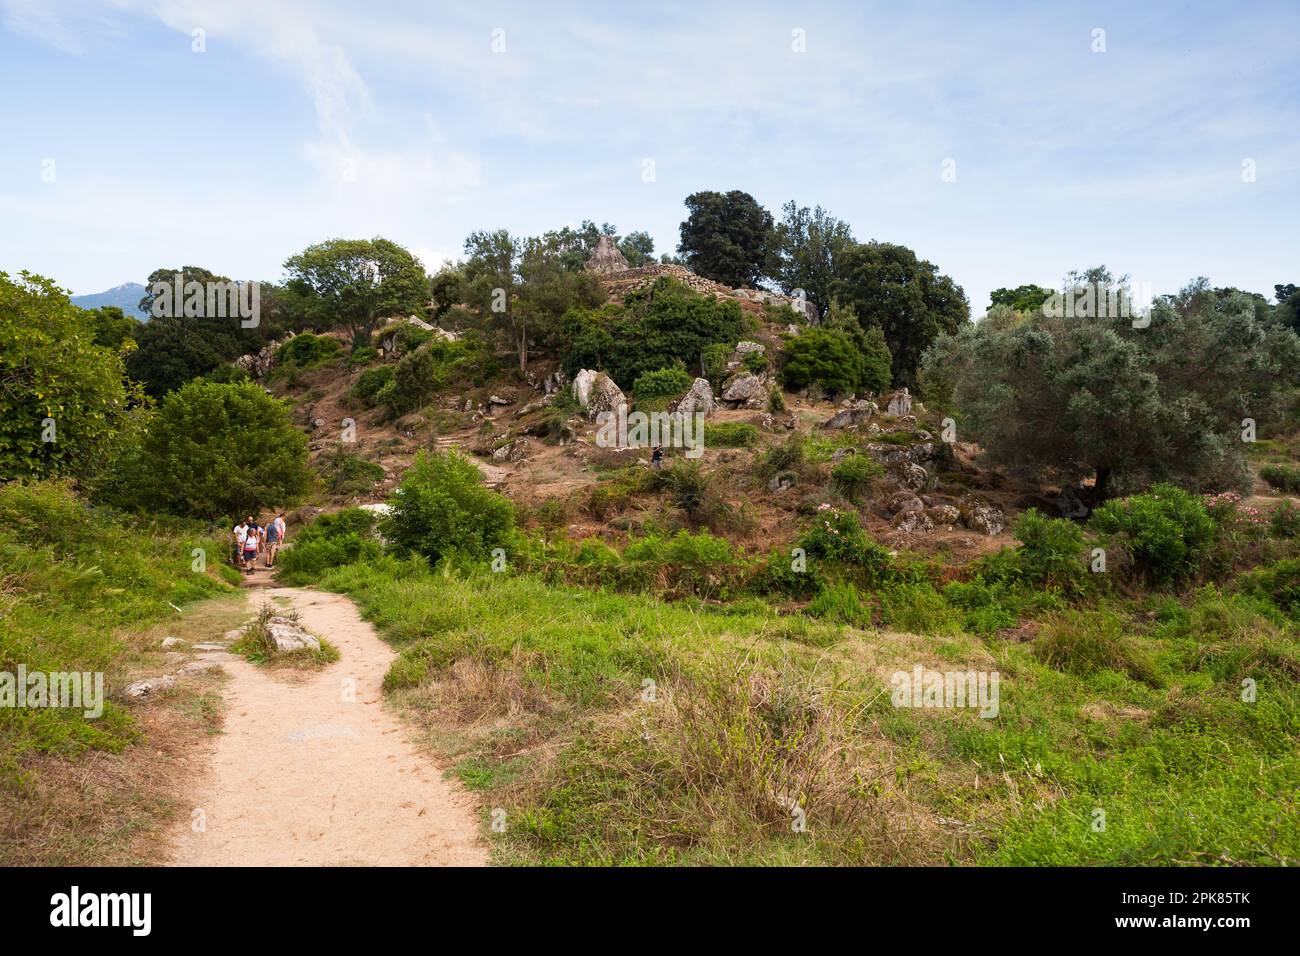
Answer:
(727, 237)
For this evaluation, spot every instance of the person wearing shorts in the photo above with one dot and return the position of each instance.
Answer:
(240, 532)
(274, 538)
(251, 543)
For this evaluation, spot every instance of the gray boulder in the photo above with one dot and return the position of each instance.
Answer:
(698, 399)
(745, 391)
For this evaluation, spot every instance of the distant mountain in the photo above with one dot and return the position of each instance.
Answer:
(126, 297)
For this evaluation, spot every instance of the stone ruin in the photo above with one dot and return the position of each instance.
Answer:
(607, 259)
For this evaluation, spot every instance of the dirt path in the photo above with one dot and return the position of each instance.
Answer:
(304, 776)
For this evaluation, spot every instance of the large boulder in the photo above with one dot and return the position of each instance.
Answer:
(745, 391)
(741, 352)
(582, 383)
(604, 396)
(898, 403)
(606, 258)
(983, 517)
(853, 414)
(698, 399)
(891, 455)
(148, 688)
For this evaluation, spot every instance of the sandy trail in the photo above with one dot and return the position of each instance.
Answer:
(301, 776)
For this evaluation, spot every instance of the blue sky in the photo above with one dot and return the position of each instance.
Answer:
(304, 121)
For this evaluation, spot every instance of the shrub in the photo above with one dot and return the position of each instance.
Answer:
(332, 540)
(783, 573)
(787, 456)
(661, 383)
(838, 536)
(1284, 521)
(308, 351)
(713, 361)
(825, 357)
(441, 508)
(730, 434)
(775, 401)
(213, 451)
(1051, 552)
(370, 383)
(1085, 642)
(1282, 477)
(347, 474)
(1279, 583)
(842, 603)
(917, 608)
(755, 362)
(1166, 532)
(853, 473)
(363, 355)
(687, 485)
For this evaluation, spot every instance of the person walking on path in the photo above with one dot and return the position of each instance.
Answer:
(657, 458)
(274, 538)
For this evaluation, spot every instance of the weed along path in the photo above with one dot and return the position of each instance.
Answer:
(311, 769)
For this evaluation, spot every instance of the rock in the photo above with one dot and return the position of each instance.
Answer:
(582, 383)
(912, 476)
(944, 515)
(745, 390)
(288, 635)
(905, 501)
(983, 518)
(839, 454)
(744, 349)
(419, 323)
(554, 382)
(898, 403)
(512, 451)
(853, 415)
(604, 396)
(606, 259)
(782, 481)
(169, 642)
(148, 689)
(498, 400)
(913, 522)
(898, 454)
(198, 667)
(698, 399)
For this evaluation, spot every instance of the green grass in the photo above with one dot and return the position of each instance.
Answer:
(537, 692)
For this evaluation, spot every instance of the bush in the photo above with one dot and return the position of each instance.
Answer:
(1278, 583)
(441, 508)
(347, 474)
(775, 401)
(370, 383)
(363, 355)
(787, 456)
(1085, 642)
(308, 351)
(838, 536)
(332, 540)
(829, 358)
(730, 435)
(713, 360)
(214, 451)
(842, 603)
(1284, 521)
(1167, 532)
(687, 485)
(1051, 552)
(661, 383)
(853, 473)
(1282, 477)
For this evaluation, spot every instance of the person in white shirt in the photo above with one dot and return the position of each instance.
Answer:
(241, 535)
(252, 542)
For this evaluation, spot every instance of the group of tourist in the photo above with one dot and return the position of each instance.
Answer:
(251, 539)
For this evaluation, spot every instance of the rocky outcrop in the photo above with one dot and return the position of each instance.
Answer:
(898, 403)
(982, 517)
(911, 475)
(891, 455)
(745, 390)
(582, 383)
(603, 396)
(515, 450)
(607, 259)
(698, 399)
(852, 414)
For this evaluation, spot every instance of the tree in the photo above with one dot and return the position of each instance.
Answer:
(808, 249)
(65, 405)
(442, 508)
(215, 451)
(353, 283)
(869, 341)
(637, 248)
(111, 327)
(727, 238)
(1068, 398)
(1023, 298)
(1284, 291)
(446, 289)
(906, 297)
(824, 357)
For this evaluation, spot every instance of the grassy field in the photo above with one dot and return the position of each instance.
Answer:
(81, 590)
(615, 728)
